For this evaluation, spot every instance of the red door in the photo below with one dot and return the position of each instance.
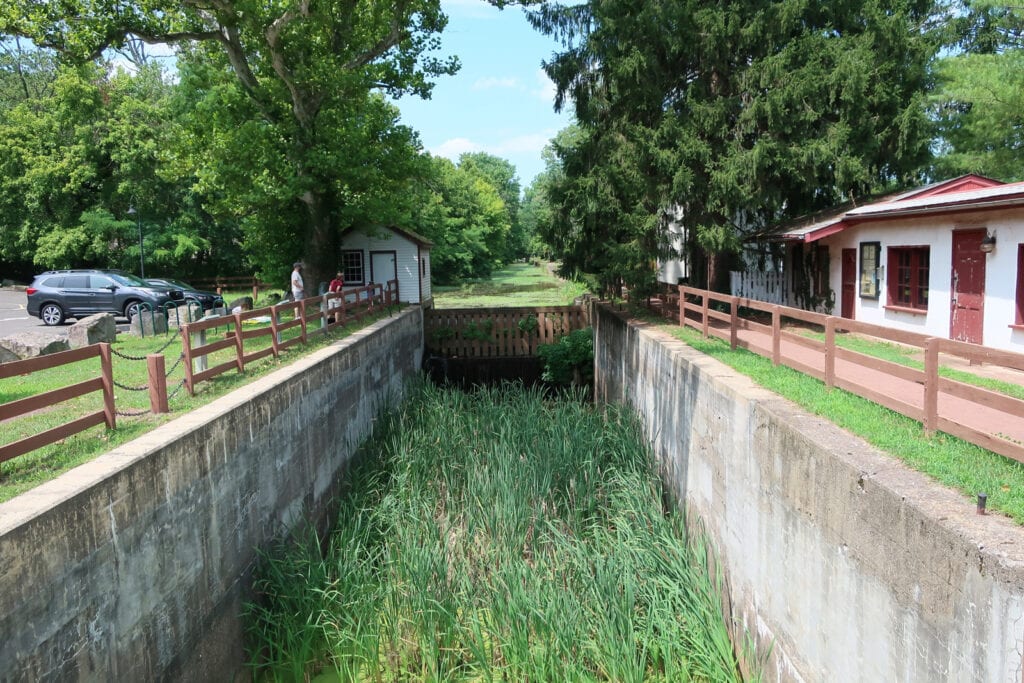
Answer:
(967, 305)
(849, 282)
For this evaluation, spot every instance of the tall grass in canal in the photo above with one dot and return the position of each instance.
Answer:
(495, 536)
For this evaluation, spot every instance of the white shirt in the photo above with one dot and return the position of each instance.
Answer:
(297, 286)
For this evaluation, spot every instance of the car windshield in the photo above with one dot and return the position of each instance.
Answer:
(130, 280)
(178, 283)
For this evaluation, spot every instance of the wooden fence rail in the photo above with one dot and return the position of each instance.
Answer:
(498, 332)
(744, 323)
(219, 284)
(310, 317)
(104, 383)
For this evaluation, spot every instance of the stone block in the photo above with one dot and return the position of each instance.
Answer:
(99, 327)
(242, 304)
(31, 345)
(146, 325)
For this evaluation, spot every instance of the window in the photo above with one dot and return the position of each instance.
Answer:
(908, 277)
(869, 253)
(76, 282)
(98, 281)
(1020, 284)
(352, 266)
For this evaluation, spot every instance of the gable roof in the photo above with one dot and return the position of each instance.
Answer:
(966, 192)
(404, 232)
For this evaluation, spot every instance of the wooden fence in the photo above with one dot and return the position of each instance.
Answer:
(104, 383)
(310, 317)
(498, 332)
(758, 327)
(219, 284)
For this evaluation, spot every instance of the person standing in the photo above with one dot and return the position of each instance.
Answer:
(337, 284)
(298, 288)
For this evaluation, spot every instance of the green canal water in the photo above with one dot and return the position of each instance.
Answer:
(495, 536)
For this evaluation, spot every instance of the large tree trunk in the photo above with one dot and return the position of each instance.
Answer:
(322, 257)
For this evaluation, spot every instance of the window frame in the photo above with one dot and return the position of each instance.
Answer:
(349, 269)
(1019, 321)
(915, 269)
(869, 267)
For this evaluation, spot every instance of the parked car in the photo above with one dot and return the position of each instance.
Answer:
(206, 299)
(60, 294)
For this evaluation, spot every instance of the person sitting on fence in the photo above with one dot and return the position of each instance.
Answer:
(298, 288)
(337, 284)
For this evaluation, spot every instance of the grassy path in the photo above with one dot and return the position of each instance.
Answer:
(519, 284)
(496, 536)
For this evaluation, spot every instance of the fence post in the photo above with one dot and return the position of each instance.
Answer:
(830, 352)
(186, 348)
(682, 307)
(704, 312)
(107, 373)
(931, 385)
(239, 346)
(157, 384)
(776, 334)
(275, 334)
(734, 315)
(301, 312)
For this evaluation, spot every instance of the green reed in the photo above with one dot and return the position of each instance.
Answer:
(496, 536)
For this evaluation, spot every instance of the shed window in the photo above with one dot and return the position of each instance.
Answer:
(908, 277)
(352, 266)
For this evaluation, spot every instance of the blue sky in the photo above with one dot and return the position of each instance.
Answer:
(500, 102)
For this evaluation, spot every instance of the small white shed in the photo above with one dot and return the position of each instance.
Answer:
(384, 253)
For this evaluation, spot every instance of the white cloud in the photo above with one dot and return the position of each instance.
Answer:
(455, 147)
(530, 143)
(546, 89)
(496, 82)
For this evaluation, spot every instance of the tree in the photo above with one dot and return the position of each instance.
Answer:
(79, 175)
(465, 217)
(501, 174)
(739, 113)
(979, 107)
(304, 69)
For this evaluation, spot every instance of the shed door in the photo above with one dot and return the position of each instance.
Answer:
(849, 282)
(967, 305)
(383, 266)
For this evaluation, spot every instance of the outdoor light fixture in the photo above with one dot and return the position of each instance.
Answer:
(988, 244)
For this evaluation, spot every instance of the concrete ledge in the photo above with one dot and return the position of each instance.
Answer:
(135, 565)
(847, 563)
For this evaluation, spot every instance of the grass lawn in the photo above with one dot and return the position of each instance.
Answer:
(131, 400)
(947, 459)
(519, 284)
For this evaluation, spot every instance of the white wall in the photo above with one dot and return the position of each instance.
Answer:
(407, 254)
(1000, 272)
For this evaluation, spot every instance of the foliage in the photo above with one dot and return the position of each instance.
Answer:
(570, 360)
(978, 108)
(79, 175)
(496, 536)
(296, 81)
(464, 216)
(732, 116)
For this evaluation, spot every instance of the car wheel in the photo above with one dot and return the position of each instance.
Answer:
(131, 309)
(51, 314)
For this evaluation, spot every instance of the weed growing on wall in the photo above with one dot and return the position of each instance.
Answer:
(495, 536)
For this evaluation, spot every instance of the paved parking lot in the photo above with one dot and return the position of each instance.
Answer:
(14, 318)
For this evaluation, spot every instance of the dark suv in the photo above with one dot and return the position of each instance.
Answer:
(59, 294)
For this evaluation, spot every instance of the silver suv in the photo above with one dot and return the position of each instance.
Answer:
(60, 294)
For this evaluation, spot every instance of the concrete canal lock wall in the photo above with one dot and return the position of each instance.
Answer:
(135, 566)
(846, 563)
